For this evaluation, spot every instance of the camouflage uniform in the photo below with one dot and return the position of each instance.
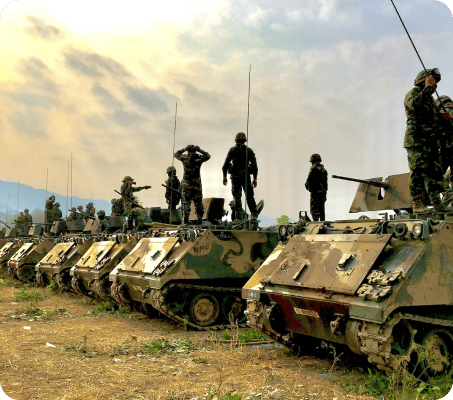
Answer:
(127, 190)
(421, 141)
(137, 217)
(57, 214)
(316, 184)
(240, 180)
(446, 138)
(173, 198)
(103, 223)
(28, 219)
(49, 209)
(20, 219)
(81, 213)
(191, 181)
(73, 216)
(90, 210)
(117, 207)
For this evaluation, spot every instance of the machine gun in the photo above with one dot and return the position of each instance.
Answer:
(83, 215)
(383, 185)
(135, 203)
(175, 190)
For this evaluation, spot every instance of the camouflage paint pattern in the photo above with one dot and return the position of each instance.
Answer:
(8, 250)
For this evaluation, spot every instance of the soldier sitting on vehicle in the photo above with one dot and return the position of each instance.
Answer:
(103, 223)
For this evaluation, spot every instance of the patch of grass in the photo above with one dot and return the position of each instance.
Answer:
(82, 348)
(200, 360)
(108, 308)
(244, 337)
(7, 279)
(163, 346)
(121, 350)
(33, 297)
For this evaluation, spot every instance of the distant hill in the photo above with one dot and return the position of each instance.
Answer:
(35, 199)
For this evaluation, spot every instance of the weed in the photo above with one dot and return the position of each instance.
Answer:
(53, 287)
(82, 349)
(33, 297)
(121, 350)
(230, 396)
(200, 360)
(250, 335)
(226, 334)
(107, 308)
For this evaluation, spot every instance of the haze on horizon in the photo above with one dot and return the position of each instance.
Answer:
(101, 80)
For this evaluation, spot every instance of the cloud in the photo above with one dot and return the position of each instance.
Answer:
(106, 98)
(40, 29)
(93, 64)
(146, 98)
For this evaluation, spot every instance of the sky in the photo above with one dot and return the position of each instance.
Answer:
(101, 81)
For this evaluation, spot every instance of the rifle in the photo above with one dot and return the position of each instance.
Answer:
(168, 187)
(5, 225)
(83, 215)
(130, 200)
(383, 185)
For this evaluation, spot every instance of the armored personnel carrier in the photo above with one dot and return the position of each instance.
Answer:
(193, 275)
(378, 286)
(69, 248)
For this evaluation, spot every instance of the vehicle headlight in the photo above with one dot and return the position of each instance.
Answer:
(417, 230)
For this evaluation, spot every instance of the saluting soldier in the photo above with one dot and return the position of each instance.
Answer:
(316, 184)
(191, 180)
(240, 172)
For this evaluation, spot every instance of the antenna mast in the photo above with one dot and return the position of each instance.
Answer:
(247, 145)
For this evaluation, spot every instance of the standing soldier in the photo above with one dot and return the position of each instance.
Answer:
(127, 190)
(28, 219)
(57, 214)
(191, 180)
(172, 196)
(48, 214)
(20, 218)
(421, 142)
(316, 184)
(240, 171)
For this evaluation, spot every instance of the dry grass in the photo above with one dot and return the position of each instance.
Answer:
(113, 363)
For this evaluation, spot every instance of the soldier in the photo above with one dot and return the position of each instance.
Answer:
(136, 219)
(233, 210)
(316, 184)
(81, 213)
(103, 223)
(20, 218)
(73, 216)
(235, 164)
(117, 207)
(421, 142)
(172, 196)
(57, 214)
(49, 209)
(127, 190)
(90, 210)
(28, 219)
(191, 180)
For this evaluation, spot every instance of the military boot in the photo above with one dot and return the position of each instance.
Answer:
(418, 207)
(437, 204)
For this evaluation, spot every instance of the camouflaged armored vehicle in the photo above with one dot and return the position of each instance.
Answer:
(378, 286)
(90, 274)
(193, 275)
(69, 248)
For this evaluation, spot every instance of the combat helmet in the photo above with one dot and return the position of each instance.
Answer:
(79, 207)
(315, 157)
(101, 213)
(90, 204)
(127, 177)
(57, 204)
(171, 169)
(443, 100)
(26, 210)
(73, 209)
(240, 136)
(423, 74)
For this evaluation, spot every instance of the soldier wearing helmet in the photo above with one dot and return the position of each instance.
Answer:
(191, 181)
(103, 223)
(172, 197)
(28, 219)
(117, 207)
(73, 216)
(57, 214)
(316, 184)
(421, 142)
(90, 210)
(240, 163)
(128, 192)
(49, 210)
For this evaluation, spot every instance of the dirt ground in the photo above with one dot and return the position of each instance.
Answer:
(49, 358)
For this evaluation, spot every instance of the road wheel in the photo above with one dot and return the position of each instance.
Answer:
(437, 357)
(233, 308)
(204, 309)
(175, 299)
(26, 273)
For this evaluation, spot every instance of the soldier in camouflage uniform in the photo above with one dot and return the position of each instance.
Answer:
(20, 218)
(172, 197)
(57, 214)
(235, 165)
(103, 223)
(445, 104)
(80, 213)
(316, 184)
(136, 219)
(49, 209)
(73, 216)
(127, 190)
(28, 219)
(191, 180)
(421, 142)
(90, 210)
(117, 207)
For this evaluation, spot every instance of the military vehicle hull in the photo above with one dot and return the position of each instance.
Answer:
(61, 258)
(194, 272)
(91, 273)
(379, 287)
(8, 250)
(22, 264)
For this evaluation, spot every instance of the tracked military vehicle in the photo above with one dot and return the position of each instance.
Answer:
(69, 248)
(193, 275)
(378, 286)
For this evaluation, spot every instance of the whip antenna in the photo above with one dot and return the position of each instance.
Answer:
(247, 143)
(172, 164)
(418, 55)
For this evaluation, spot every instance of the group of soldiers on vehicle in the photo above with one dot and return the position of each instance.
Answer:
(24, 218)
(428, 142)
